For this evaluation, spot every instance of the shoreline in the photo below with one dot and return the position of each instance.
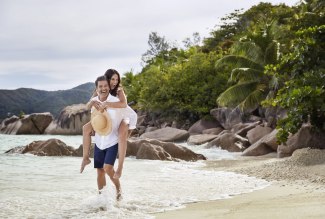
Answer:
(279, 200)
(297, 189)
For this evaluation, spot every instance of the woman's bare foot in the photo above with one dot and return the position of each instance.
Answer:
(84, 162)
(118, 173)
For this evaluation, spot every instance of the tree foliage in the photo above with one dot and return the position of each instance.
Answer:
(157, 46)
(270, 53)
(247, 60)
(303, 73)
(182, 86)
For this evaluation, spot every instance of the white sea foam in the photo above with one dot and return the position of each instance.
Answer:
(213, 153)
(52, 187)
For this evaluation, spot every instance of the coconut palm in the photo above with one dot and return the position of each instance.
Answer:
(247, 60)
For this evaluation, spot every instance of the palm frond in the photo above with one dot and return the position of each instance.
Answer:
(249, 50)
(238, 62)
(272, 53)
(251, 102)
(277, 31)
(241, 75)
(234, 95)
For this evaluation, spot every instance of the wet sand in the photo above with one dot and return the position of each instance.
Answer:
(297, 189)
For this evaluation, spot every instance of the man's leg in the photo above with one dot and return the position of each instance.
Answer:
(99, 159)
(86, 143)
(110, 158)
(109, 169)
(122, 146)
(101, 180)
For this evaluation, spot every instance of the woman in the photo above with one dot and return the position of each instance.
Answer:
(128, 123)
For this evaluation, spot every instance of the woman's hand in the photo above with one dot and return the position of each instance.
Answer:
(120, 90)
(106, 105)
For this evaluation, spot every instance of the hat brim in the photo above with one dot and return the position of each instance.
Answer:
(101, 131)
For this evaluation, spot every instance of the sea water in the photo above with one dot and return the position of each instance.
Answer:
(52, 187)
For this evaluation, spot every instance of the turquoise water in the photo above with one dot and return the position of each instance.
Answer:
(52, 187)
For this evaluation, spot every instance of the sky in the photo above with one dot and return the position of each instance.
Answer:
(60, 44)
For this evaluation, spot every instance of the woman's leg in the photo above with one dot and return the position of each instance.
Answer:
(87, 130)
(122, 145)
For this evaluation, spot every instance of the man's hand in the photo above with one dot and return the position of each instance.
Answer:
(92, 133)
(101, 107)
(96, 104)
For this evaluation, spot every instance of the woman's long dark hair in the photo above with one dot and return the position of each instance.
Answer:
(109, 74)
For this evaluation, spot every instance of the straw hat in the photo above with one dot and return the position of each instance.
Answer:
(101, 122)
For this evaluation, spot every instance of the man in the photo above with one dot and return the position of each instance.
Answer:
(129, 121)
(106, 146)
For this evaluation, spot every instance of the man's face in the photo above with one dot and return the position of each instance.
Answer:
(102, 89)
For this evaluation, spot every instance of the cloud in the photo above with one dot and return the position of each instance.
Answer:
(66, 42)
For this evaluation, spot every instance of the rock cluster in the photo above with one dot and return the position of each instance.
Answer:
(51, 147)
(230, 130)
(70, 120)
(158, 150)
(35, 123)
(140, 148)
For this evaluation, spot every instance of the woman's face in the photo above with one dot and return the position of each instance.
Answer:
(113, 82)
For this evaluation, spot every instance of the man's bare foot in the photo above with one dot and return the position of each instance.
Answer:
(118, 173)
(118, 195)
(84, 162)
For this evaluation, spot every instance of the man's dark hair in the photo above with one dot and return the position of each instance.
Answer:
(100, 78)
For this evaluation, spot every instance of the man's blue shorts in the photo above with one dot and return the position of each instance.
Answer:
(106, 156)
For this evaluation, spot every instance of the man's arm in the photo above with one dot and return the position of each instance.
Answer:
(91, 101)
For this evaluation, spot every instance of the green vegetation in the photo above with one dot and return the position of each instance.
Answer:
(247, 60)
(21, 114)
(303, 92)
(265, 56)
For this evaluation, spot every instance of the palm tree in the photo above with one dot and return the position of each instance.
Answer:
(247, 60)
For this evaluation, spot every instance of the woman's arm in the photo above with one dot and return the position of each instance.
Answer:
(121, 104)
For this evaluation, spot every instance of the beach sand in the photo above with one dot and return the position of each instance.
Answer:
(297, 189)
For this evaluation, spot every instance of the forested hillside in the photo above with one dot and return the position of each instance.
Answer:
(27, 100)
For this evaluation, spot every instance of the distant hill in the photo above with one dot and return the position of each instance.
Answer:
(29, 100)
